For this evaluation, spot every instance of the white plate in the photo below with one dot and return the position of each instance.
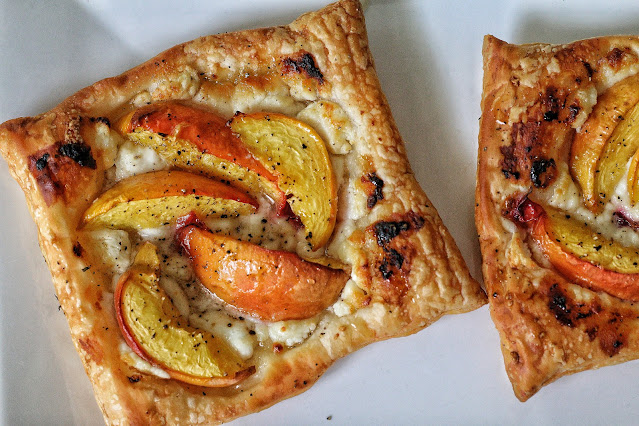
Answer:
(428, 55)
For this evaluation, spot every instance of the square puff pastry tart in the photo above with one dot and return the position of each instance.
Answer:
(557, 211)
(226, 220)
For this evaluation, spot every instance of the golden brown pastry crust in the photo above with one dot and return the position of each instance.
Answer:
(431, 281)
(535, 99)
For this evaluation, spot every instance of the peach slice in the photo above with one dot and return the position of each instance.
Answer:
(154, 329)
(633, 178)
(586, 257)
(269, 284)
(157, 198)
(590, 142)
(191, 138)
(621, 146)
(297, 155)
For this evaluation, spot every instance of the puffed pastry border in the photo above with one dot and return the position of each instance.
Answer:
(432, 281)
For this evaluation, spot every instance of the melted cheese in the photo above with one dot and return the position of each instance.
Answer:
(613, 75)
(273, 233)
(350, 300)
(107, 141)
(289, 333)
(114, 247)
(587, 99)
(138, 363)
(134, 159)
(141, 99)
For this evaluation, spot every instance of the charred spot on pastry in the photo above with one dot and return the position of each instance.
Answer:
(377, 193)
(103, 120)
(385, 269)
(395, 253)
(568, 312)
(542, 172)
(509, 162)
(40, 168)
(525, 148)
(55, 167)
(558, 305)
(78, 249)
(416, 221)
(589, 70)
(610, 340)
(304, 63)
(583, 315)
(41, 162)
(391, 256)
(392, 260)
(573, 111)
(78, 152)
(386, 231)
(134, 378)
(550, 104)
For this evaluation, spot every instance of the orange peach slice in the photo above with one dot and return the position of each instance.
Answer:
(297, 155)
(588, 145)
(157, 198)
(155, 330)
(191, 138)
(269, 284)
(586, 257)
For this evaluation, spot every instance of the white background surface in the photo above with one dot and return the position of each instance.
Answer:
(428, 56)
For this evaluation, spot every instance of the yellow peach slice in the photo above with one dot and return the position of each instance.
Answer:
(297, 155)
(633, 178)
(154, 329)
(623, 143)
(157, 198)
